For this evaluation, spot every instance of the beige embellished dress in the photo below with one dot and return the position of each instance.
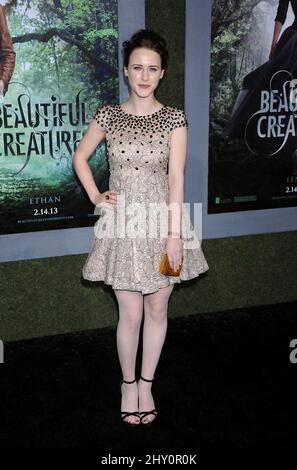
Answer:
(130, 236)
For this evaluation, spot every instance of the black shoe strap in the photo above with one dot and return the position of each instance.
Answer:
(127, 382)
(146, 380)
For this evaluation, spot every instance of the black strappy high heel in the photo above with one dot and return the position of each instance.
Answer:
(129, 413)
(146, 413)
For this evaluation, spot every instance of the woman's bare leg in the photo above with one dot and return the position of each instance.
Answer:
(130, 317)
(154, 333)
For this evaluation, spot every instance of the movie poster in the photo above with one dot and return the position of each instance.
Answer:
(253, 106)
(58, 62)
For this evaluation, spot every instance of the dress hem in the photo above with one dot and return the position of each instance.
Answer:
(170, 280)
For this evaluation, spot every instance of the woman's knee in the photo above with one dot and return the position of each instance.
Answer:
(155, 311)
(130, 308)
(156, 304)
(132, 319)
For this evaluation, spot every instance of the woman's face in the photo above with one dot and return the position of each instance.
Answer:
(144, 69)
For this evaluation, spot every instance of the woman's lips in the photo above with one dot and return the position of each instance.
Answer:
(144, 86)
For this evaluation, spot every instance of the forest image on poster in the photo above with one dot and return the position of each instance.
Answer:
(66, 66)
(253, 106)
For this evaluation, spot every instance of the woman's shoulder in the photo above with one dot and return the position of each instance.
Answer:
(178, 117)
(102, 112)
(175, 110)
(104, 107)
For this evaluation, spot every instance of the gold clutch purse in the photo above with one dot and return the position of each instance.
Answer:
(166, 269)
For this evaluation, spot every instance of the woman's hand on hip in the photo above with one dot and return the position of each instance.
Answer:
(108, 197)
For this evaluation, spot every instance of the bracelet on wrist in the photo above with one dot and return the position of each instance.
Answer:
(176, 234)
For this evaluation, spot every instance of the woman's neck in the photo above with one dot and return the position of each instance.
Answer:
(141, 107)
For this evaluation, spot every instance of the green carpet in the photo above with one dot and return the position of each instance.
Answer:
(48, 296)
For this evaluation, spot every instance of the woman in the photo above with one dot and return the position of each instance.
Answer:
(142, 135)
(281, 67)
(7, 54)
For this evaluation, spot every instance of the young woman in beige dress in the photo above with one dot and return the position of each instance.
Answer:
(147, 146)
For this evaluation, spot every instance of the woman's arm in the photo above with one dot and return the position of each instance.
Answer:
(177, 160)
(276, 33)
(89, 142)
(7, 53)
(279, 19)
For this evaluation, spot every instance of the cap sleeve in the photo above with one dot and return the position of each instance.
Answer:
(282, 11)
(179, 119)
(101, 116)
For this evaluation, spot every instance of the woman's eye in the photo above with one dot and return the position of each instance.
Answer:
(152, 70)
